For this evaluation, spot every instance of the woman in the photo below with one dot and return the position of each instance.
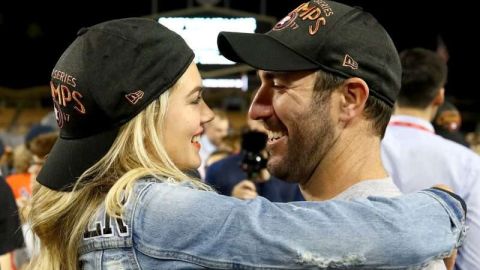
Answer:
(115, 191)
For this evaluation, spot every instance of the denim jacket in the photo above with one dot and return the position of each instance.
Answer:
(175, 226)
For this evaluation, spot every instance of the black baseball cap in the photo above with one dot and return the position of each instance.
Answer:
(325, 35)
(109, 74)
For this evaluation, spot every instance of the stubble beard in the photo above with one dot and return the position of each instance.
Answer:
(309, 141)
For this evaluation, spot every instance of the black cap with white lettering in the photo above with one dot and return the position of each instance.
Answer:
(325, 35)
(109, 74)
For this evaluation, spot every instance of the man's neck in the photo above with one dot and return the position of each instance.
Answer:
(426, 114)
(350, 161)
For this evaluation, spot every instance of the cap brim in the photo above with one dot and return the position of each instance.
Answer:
(69, 158)
(261, 52)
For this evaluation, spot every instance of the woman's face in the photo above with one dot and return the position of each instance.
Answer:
(186, 115)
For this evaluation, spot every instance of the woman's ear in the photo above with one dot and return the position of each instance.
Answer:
(353, 95)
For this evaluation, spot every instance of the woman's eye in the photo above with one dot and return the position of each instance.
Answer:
(197, 100)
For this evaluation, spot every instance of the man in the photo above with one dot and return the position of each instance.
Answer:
(211, 140)
(329, 76)
(417, 158)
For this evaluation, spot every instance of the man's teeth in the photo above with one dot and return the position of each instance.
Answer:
(274, 135)
(196, 139)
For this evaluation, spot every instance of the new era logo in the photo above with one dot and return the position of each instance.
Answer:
(349, 62)
(134, 97)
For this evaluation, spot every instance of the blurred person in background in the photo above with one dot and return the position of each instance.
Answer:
(6, 159)
(40, 141)
(216, 156)
(447, 123)
(20, 179)
(473, 138)
(11, 238)
(417, 158)
(215, 131)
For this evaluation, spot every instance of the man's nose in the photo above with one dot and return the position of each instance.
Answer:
(261, 107)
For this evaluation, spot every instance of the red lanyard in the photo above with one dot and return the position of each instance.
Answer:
(410, 125)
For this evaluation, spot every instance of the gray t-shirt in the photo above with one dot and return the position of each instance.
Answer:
(375, 187)
(380, 187)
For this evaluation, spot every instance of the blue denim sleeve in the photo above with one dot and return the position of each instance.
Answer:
(175, 223)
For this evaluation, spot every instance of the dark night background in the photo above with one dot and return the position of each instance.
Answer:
(33, 34)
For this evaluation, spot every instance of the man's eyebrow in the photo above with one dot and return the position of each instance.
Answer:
(268, 74)
(272, 74)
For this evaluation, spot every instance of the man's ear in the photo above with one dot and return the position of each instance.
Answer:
(439, 98)
(354, 94)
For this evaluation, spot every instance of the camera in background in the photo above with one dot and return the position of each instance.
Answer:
(253, 143)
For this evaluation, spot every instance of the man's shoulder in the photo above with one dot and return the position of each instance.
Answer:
(375, 187)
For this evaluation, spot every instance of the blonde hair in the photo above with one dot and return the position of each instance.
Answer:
(60, 218)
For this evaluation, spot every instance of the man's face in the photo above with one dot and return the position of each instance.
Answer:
(299, 124)
(216, 130)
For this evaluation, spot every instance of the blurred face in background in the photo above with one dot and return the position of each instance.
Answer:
(216, 130)
(450, 120)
